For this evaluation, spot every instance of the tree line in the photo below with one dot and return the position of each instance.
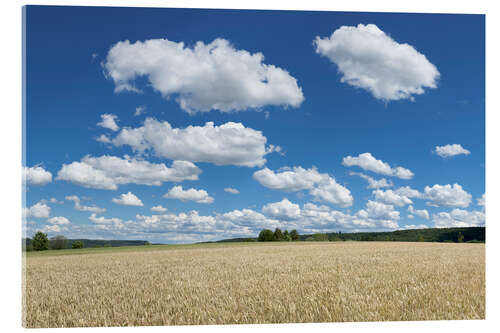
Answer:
(267, 235)
(41, 242)
(444, 235)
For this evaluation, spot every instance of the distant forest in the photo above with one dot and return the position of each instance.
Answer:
(86, 243)
(447, 235)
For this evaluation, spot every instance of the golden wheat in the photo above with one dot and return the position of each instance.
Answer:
(257, 283)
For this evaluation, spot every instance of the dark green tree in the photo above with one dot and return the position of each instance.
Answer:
(77, 245)
(320, 237)
(286, 236)
(278, 235)
(58, 242)
(265, 235)
(460, 237)
(40, 241)
(294, 235)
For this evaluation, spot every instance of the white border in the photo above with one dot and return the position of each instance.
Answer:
(10, 131)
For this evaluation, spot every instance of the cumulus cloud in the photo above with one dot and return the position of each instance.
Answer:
(458, 218)
(409, 192)
(108, 121)
(103, 139)
(60, 220)
(36, 176)
(451, 150)
(231, 190)
(481, 201)
(159, 209)
(51, 229)
(378, 211)
(39, 210)
(115, 221)
(447, 195)
(227, 144)
(128, 199)
(83, 208)
(368, 58)
(139, 110)
(415, 226)
(191, 226)
(213, 76)
(108, 172)
(423, 213)
(199, 196)
(392, 198)
(373, 183)
(367, 162)
(320, 185)
(283, 209)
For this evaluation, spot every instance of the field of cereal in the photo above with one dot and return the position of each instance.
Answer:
(254, 283)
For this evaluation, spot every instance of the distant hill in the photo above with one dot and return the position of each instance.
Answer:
(470, 234)
(96, 242)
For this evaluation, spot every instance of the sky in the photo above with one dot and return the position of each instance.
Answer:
(185, 125)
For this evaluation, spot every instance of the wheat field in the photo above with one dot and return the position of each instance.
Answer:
(255, 283)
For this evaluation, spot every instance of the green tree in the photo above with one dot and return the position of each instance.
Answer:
(294, 235)
(58, 242)
(265, 235)
(278, 235)
(460, 237)
(286, 236)
(320, 237)
(77, 245)
(40, 241)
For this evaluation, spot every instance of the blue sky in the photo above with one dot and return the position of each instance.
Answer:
(385, 90)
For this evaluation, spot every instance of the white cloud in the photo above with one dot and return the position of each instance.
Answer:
(283, 209)
(107, 172)
(320, 185)
(409, 192)
(139, 110)
(128, 199)
(481, 201)
(332, 192)
(373, 183)
(103, 139)
(108, 121)
(83, 208)
(39, 210)
(36, 176)
(367, 162)
(369, 59)
(391, 198)
(451, 150)
(115, 221)
(212, 76)
(60, 220)
(458, 218)
(415, 226)
(231, 190)
(423, 213)
(50, 229)
(227, 144)
(290, 180)
(378, 211)
(199, 196)
(159, 209)
(447, 195)
(248, 218)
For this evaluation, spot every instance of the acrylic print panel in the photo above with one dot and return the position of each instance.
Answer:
(198, 167)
